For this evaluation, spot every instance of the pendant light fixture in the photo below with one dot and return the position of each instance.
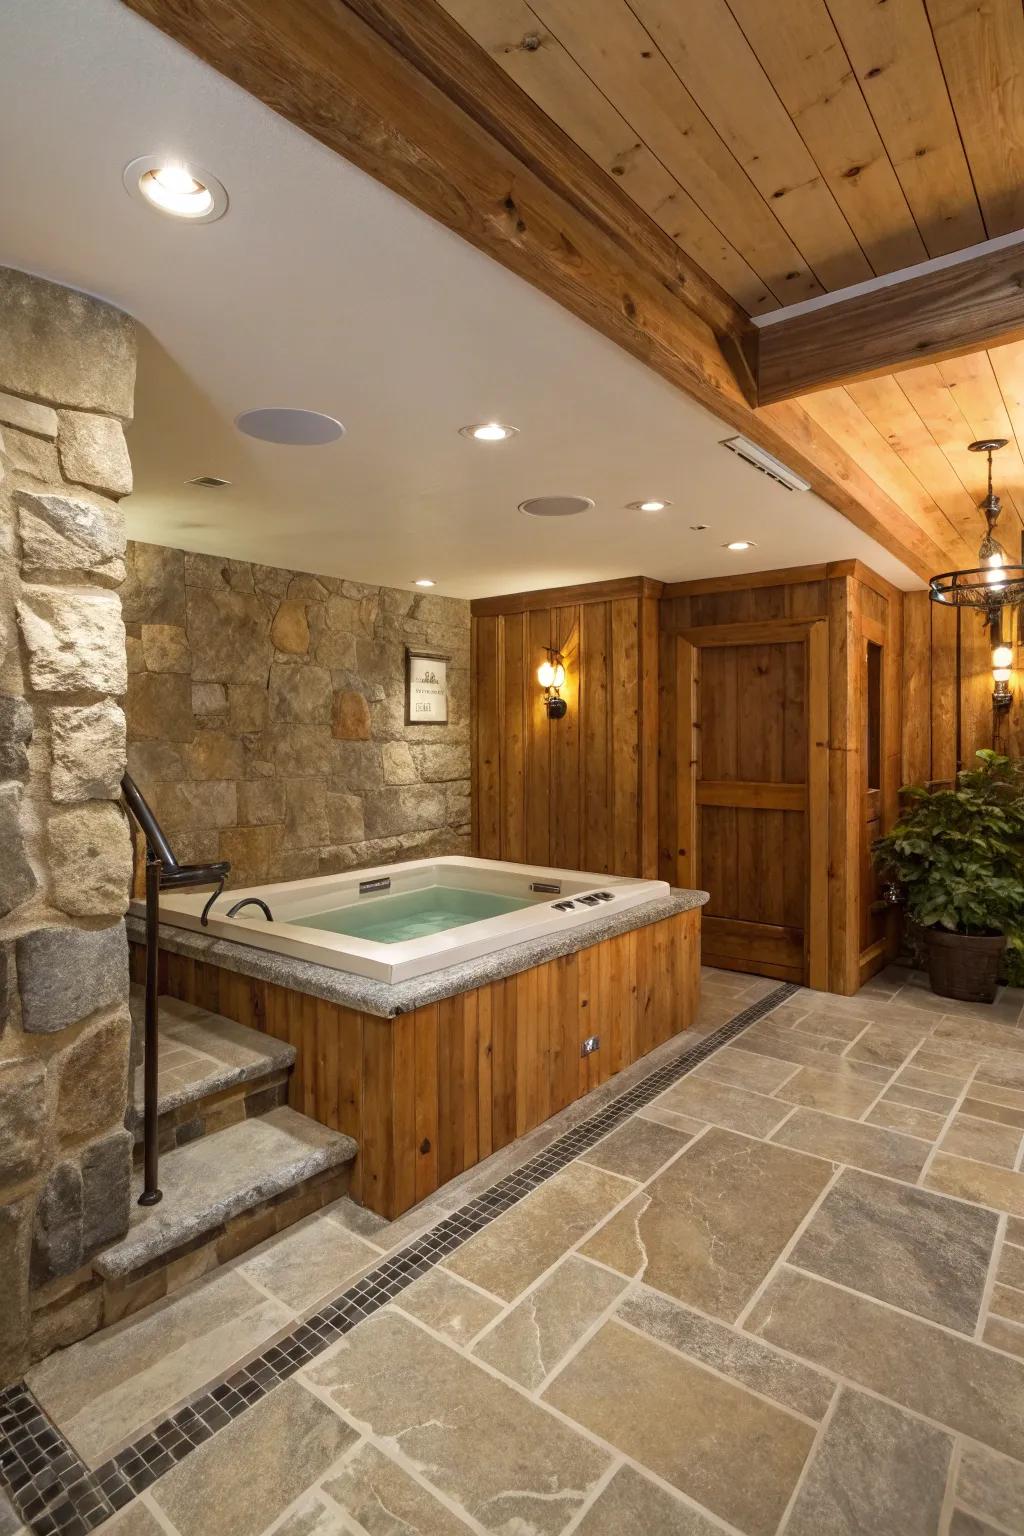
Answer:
(996, 581)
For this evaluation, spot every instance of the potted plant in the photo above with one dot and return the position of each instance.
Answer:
(957, 856)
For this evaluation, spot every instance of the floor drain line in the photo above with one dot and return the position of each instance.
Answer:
(56, 1494)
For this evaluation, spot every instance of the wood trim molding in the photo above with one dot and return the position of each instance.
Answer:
(564, 597)
(788, 576)
(932, 315)
(395, 87)
(756, 632)
(751, 796)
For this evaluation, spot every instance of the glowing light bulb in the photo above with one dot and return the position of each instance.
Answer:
(1002, 656)
(546, 674)
(175, 179)
(559, 678)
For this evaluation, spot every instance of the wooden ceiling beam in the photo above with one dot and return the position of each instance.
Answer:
(397, 88)
(933, 315)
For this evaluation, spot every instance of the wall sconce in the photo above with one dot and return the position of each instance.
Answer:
(551, 676)
(1002, 661)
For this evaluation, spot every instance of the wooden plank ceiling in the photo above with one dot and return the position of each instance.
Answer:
(793, 148)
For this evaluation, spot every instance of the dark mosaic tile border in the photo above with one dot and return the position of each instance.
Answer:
(56, 1494)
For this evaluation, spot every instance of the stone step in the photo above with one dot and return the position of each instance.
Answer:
(213, 1071)
(269, 1162)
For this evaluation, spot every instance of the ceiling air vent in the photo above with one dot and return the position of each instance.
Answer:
(208, 482)
(774, 468)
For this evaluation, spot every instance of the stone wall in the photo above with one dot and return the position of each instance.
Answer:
(67, 377)
(266, 716)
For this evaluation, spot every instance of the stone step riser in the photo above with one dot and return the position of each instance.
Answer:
(215, 1112)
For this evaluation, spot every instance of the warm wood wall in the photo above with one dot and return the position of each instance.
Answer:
(580, 792)
(947, 692)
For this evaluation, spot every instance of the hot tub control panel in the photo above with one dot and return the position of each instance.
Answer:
(591, 899)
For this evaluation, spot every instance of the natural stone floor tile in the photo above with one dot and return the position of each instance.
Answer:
(510, 1253)
(501, 1457)
(999, 1072)
(915, 1250)
(984, 1140)
(940, 1375)
(875, 1470)
(904, 1117)
(919, 1098)
(992, 1485)
(1011, 1266)
(102, 1391)
(682, 1123)
(790, 1045)
(977, 1181)
(1003, 1335)
(308, 1262)
(313, 1517)
(544, 1325)
(1007, 1114)
(134, 1520)
(761, 1074)
(631, 1505)
(929, 1082)
(833, 1024)
(1008, 1303)
(637, 1149)
(978, 1034)
(848, 1141)
(886, 1045)
(736, 1108)
(994, 1093)
(841, 1092)
(236, 1483)
(448, 1306)
(747, 1360)
(709, 1228)
(965, 1524)
(620, 1385)
(385, 1501)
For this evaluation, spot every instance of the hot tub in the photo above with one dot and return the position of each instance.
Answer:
(400, 921)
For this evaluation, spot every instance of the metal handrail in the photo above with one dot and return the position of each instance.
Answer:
(163, 872)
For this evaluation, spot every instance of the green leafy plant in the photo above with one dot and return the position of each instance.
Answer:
(957, 852)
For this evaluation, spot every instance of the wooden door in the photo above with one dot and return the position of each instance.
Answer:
(758, 726)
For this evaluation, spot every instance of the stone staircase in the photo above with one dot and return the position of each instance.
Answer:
(237, 1164)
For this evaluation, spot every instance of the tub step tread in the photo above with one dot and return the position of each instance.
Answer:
(204, 1053)
(207, 1182)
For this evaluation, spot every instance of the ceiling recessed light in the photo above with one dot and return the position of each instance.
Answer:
(181, 190)
(648, 506)
(738, 545)
(424, 581)
(297, 429)
(555, 506)
(489, 432)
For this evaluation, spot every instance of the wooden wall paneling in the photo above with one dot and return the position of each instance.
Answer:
(625, 707)
(486, 998)
(596, 726)
(487, 763)
(817, 932)
(376, 1133)
(648, 728)
(515, 680)
(916, 761)
(568, 808)
(537, 817)
(406, 1141)
(687, 758)
(845, 755)
(504, 1063)
(944, 691)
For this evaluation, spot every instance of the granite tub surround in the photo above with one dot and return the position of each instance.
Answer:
(643, 1343)
(67, 375)
(266, 716)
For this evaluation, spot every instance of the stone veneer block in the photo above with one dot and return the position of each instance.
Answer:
(709, 1228)
(730, 1451)
(632, 1506)
(846, 1141)
(75, 640)
(242, 1479)
(946, 1378)
(92, 1081)
(93, 452)
(386, 1501)
(391, 1375)
(540, 1330)
(88, 747)
(64, 534)
(65, 974)
(90, 859)
(877, 1470)
(520, 1245)
(27, 416)
(103, 1390)
(915, 1250)
(23, 1118)
(17, 877)
(789, 1382)
(65, 347)
(15, 734)
(447, 1306)
(229, 634)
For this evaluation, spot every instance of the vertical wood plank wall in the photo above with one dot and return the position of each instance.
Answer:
(931, 694)
(580, 792)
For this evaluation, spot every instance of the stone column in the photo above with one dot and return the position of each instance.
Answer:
(67, 379)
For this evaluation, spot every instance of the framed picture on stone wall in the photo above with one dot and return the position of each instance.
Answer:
(426, 688)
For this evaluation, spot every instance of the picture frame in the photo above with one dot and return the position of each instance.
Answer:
(426, 687)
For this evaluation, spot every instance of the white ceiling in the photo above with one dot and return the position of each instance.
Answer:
(319, 288)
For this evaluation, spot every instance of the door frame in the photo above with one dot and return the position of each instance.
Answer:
(813, 798)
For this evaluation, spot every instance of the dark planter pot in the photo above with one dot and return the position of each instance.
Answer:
(964, 966)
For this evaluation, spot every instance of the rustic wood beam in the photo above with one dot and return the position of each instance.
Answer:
(398, 89)
(932, 315)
